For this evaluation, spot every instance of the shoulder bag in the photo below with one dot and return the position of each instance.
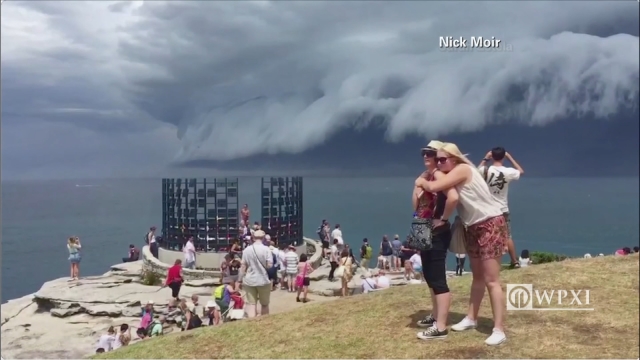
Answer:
(340, 270)
(420, 236)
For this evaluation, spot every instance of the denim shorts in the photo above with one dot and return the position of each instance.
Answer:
(75, 258)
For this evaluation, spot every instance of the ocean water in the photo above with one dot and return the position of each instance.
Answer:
(565, 215)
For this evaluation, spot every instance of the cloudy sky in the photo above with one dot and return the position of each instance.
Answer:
(101, 88)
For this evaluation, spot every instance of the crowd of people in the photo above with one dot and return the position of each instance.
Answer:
(450, 182)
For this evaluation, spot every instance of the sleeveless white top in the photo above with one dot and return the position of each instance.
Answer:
(475, 202)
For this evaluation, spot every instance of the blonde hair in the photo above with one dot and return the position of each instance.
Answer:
(453, 151)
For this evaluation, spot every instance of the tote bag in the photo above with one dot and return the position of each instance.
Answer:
(340, 270)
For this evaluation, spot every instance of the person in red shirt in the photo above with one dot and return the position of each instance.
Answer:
(174, 279)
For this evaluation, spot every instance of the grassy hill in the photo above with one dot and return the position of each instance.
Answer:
(382, 325)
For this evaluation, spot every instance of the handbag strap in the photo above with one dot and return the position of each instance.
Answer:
(258, 259)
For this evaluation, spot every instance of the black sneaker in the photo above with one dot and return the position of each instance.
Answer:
(427, 321)
(433, 333)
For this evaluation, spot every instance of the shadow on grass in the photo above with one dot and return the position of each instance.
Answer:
(485, 325)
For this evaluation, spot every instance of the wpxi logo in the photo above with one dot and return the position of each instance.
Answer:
(524, 296)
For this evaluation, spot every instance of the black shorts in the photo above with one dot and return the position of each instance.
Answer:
(325, 244)
(434, 262)
(306, 281)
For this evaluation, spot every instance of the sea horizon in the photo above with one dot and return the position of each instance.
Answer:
(571, 216)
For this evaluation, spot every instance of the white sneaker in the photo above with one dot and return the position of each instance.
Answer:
(497, 337)
(465, 324)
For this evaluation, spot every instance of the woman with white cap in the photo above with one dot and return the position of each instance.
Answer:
(436, 207)
(485, 236)
(257, 259)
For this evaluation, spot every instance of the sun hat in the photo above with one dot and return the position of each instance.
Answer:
(434, 144)
(259, 234)
(211, 304)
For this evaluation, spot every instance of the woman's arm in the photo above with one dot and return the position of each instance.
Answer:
(458, 175)
(415, 196)
(452, 198)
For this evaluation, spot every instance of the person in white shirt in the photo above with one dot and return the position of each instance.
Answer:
(105, 343)
(486, 236)
(189, 251)
(382, 282)
(525, 259)
(123, 338)
(498, 177)
(336, 234)
(368, 284)
(416, 264)
(256, 259)
(291, 267)
(334, 256)
(460, 264)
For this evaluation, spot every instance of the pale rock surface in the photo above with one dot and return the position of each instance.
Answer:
(64, 319)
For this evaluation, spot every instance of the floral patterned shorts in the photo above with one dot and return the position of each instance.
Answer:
(487, 239)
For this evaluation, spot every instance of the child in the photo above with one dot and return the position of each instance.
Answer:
(382, 262)
(524, 258)
(416, 264)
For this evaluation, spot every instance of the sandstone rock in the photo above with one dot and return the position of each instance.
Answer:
(203, 282)
(61, 313)
(110, 310)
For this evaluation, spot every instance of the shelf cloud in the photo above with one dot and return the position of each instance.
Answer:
(228, 80)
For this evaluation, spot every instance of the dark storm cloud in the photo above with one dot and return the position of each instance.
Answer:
(215, 81)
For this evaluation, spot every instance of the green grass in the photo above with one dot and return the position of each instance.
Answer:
(382, 325)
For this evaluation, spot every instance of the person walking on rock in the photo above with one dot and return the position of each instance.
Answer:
(174, 279)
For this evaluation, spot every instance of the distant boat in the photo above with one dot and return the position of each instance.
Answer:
(79, 185)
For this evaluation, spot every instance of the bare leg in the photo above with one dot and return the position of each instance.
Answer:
(71, 271)
(491, 272)
(251, 310)
(477, 288)
(306, 292)
(441, 304)
(264, 310)
(512, 251)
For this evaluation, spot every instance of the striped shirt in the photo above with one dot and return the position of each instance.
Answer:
(291, 259)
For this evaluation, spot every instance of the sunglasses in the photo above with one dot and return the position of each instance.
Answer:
(442, 160)
(428, 153)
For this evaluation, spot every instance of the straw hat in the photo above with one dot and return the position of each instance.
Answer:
(434, 144)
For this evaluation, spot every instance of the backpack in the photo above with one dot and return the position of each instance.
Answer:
(218, 293)
(272, 272)
(369, 252)
(146, 238)
(320, 232)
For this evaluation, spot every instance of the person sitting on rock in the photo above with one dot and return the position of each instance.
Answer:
(382, 281)
(193, 315)
(368, 284)
(134, 254)
(123, 338)
(177, 312)
(156, 328)
(105, 343)
(145, 322)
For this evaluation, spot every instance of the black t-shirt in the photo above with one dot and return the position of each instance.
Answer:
(406, 254)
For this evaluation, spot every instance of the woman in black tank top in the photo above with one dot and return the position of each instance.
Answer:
(439, 208)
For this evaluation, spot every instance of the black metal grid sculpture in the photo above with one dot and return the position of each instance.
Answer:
(208, 210)
(282, 209)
